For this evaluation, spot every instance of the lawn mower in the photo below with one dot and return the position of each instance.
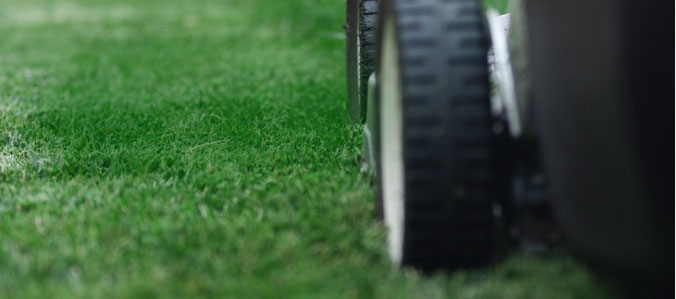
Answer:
(475, 122)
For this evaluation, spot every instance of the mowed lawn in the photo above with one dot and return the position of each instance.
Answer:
(195, 149)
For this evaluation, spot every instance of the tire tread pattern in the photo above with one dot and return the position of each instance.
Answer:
(361, 53)
(447, 133)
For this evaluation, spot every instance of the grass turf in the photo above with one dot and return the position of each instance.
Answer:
(183, 149)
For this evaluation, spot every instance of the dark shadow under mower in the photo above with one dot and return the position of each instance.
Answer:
(454, 129)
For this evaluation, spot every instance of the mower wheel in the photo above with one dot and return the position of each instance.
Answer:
(435, 133)
(361, 50)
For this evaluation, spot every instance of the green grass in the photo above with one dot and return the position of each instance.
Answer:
(499, 5)
(184, 149)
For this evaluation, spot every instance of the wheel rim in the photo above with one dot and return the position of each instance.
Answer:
(392, 144)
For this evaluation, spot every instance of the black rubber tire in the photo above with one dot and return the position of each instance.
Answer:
(448, 153)
(361, 33)
(603, 115)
